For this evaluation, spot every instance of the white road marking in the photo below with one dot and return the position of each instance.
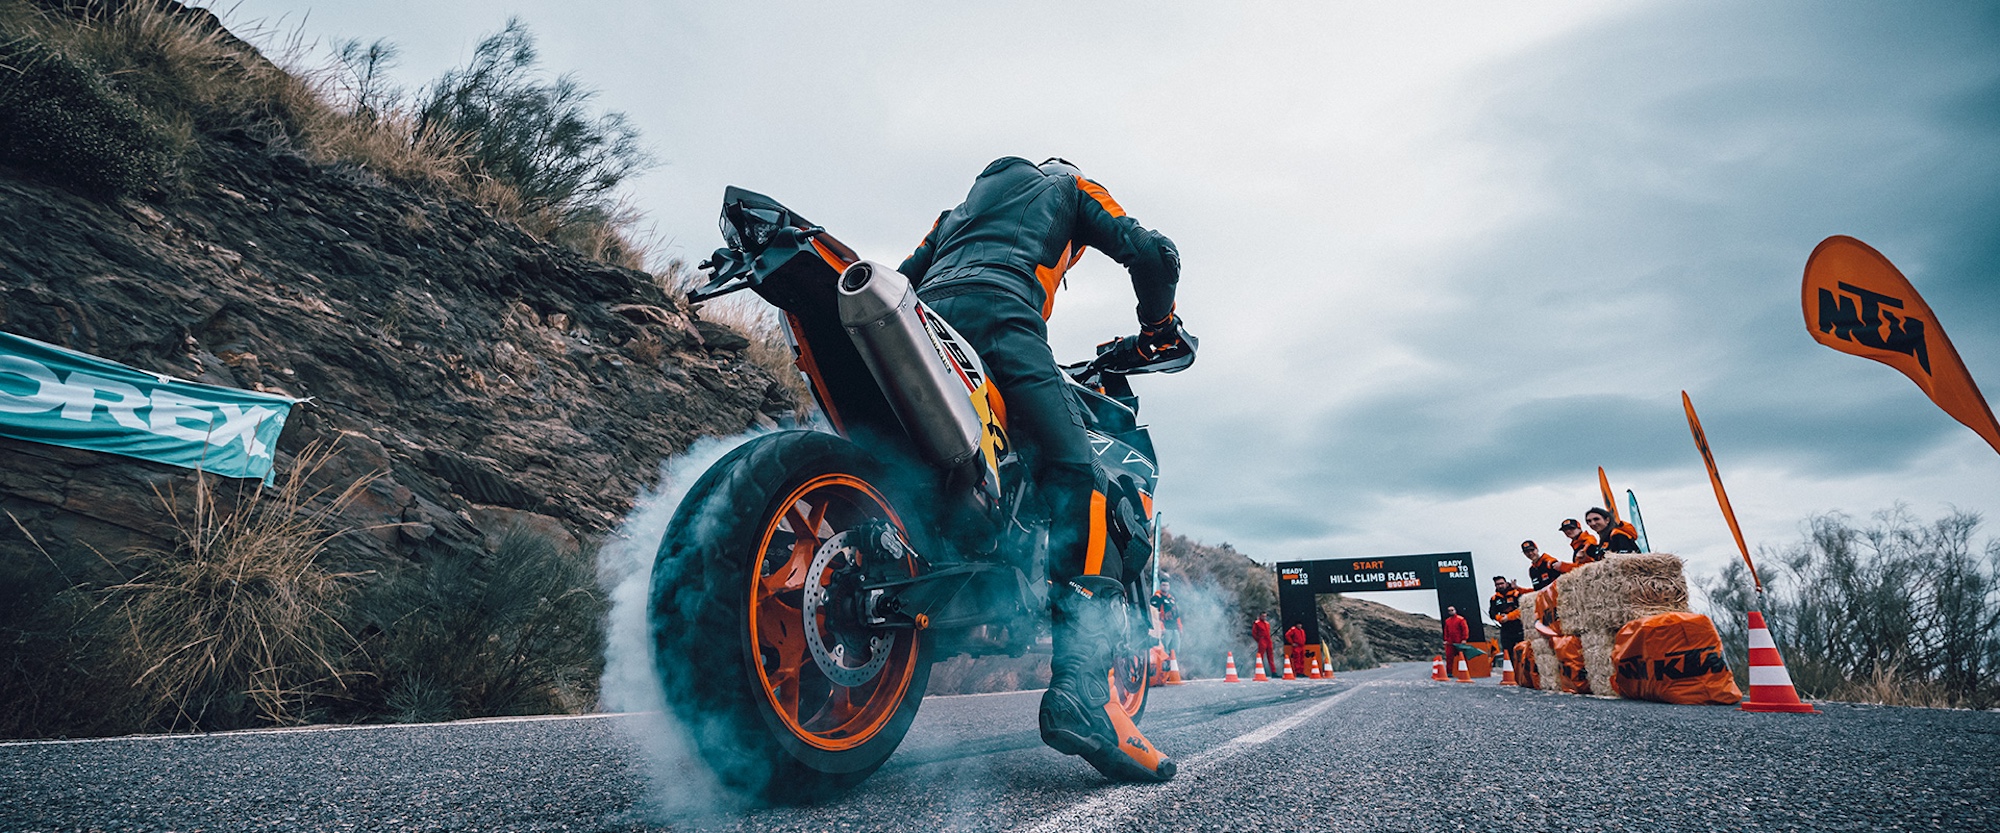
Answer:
(1107, 810)
(297, 730)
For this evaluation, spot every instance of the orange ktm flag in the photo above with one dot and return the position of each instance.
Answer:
(1856, 302)
(1610, 500)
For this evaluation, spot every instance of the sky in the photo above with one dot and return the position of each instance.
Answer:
(1445, 258)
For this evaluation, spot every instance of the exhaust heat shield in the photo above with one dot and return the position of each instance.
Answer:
(929, 389)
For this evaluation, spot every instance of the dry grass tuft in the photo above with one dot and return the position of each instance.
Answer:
(239, 624)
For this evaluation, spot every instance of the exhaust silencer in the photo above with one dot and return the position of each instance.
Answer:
(926, 388)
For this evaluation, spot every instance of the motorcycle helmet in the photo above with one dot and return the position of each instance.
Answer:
(1058, 166)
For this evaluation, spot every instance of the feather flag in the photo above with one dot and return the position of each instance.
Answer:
(1856, 302)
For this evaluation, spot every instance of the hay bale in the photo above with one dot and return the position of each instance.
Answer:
(1600, 598)
(1598, 662)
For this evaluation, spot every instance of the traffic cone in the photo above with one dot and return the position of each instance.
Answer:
(1288, 668)
(1464, 673)
(1770, 684)
(1174, 669)
(1260, 676)
(1437, 668)
(1312, 668)
(1506, 670)
(1229, 670)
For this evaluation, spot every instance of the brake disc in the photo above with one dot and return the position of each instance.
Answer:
(837, 661)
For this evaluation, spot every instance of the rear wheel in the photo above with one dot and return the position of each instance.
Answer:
(1132, 663)
(757, 622)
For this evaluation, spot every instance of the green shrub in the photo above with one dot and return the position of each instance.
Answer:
(534, 135)
(61, 117)
(464, 634)
(1897, 611)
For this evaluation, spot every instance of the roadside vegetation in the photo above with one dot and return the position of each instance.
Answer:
(249, 621)
(120, 98)
(1894, 610)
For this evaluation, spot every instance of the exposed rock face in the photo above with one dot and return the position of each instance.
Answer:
(1380, 633)
(491, 378)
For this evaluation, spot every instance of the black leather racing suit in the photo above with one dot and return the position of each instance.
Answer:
(991, 267)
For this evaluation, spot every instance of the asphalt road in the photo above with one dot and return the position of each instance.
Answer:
(1386, 749)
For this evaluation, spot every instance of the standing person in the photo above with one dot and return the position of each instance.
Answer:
(1618, 537)
(1505, 608)
(1456, 632)
(1295, 648)
(1260, 630)
(1543, 568)
(1583, 546)
(991, 267)
(1170, 617)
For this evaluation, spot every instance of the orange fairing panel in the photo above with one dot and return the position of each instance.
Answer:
(837, 256)
(810, 367)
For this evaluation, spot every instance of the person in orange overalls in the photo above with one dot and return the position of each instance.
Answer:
(1295, 648)
(1261, 631)
(1456, 632)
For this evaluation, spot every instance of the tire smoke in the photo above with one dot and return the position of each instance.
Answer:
(682, 785)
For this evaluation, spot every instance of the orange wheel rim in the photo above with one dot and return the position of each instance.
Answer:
(817, 710)
(1128, 684)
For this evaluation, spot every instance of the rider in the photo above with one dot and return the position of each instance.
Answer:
(991, 267)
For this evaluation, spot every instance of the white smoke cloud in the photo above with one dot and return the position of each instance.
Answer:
(683, 787)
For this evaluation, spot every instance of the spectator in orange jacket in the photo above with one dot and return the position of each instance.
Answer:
(1505, 608)
(1618, 537)
(1543, 568)
(1583, 547)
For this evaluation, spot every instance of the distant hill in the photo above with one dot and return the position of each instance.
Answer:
(1220, 592)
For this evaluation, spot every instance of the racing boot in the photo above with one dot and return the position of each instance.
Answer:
(1077, 716)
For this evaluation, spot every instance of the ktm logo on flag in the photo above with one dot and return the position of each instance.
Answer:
(1678, 665)
(1860, 316)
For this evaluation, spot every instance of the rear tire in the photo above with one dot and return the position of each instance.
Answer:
(1132, 662)
(786, 698)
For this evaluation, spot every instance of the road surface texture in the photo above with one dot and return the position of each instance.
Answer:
(1386, 749)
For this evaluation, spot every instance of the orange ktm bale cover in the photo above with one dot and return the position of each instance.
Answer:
(1674, 658)
(1545, 608)
(1525, 674)
(1569, 652)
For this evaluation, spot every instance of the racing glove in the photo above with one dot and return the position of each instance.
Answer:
(1161, 341)
(1161, 347)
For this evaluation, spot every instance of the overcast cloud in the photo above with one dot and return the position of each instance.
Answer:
(1445, 258)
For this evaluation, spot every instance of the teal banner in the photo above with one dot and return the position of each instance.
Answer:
(55, 395)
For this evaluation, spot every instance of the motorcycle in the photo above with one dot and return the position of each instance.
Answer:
(810, 578)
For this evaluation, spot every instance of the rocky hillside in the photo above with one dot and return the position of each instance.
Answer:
(492, 402)
(491, 378)
(1221, 592)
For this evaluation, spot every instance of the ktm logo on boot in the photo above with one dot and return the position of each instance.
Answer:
(1137, 743)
